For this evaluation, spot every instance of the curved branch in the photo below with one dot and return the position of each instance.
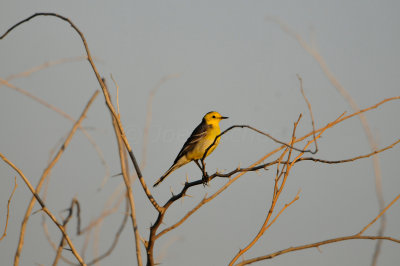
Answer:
(105, 93)
(310, 110)
(65, 222)
(278, 188)
(257, 166)
(44, 208)
(315, 245)
(329, 241)
(256, 130)
(8, 208)
(116, 238)
(365, 125)
(46, 172)
(65, 115)
(125, 175)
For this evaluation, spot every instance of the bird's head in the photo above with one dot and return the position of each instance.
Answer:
(213, 118)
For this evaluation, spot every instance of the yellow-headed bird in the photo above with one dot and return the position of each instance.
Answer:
(195, 146)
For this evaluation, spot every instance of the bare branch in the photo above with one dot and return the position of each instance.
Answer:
(116, 238)
(44, 208)
(260, 165)
(125, 175)
(8, 209)
(48, 64)
(311, 113)
(277, 192)
(256, 130)
(149, 107)
(65, 222)
(311, 49)
(105, 93)
(46, 172)
(65, 115)
(379, 215)
(329, 241)
(315, 245)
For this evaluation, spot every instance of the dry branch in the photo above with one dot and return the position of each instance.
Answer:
(45, 65)
(105, 93)
(116, 238)
(65, 222)
(278, 188)
(8, 209)
(329, 241)
(314, 245)
(311, 113)
(44, 208)
(125, 174)
(311, 49)
(283, 170)
(46, 172)
(260, 165)
(63, 114)
(149, 107)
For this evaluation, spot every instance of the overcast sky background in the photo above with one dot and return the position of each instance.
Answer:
(226, 57)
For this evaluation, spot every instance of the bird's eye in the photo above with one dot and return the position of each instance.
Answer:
(213, 116)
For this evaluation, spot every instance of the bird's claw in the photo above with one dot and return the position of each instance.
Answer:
(206, 179)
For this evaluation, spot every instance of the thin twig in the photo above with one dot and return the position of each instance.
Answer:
(103, 215)
(117, 88)
(351, 159)
(311, 49)
(116, 238)
(149, 108)
(89, 227)
(379, 215)
(277, 192)
(256, 130)
(311, 113)
(105, 93)
(46, 172)
(65, 222)
(125, 175)
(44, 208)
(65, 115)
(314, 245)
(52, 243)
(8, 208)
(45, 65)
(329, 241)
(259, 164)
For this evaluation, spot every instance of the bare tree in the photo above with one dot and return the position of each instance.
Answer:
(287, 155)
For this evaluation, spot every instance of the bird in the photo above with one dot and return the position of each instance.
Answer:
(198, 142)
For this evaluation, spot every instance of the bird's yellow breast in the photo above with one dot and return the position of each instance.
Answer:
(201, 147)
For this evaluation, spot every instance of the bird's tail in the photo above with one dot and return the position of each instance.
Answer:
(170, 170)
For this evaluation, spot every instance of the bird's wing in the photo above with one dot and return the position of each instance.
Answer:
(198, 133)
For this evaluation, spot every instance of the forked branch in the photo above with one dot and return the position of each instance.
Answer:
(105, 93)
(329, 241)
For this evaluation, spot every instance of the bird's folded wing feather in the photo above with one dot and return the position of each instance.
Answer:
(198, 133)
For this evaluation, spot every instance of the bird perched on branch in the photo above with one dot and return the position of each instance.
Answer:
(198, 142)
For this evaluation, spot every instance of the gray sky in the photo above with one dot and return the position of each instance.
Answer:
(229, 59)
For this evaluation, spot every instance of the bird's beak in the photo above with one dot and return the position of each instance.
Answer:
(224, 117)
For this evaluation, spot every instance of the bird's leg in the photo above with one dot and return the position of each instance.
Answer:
(205, 177)
(198, 164)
